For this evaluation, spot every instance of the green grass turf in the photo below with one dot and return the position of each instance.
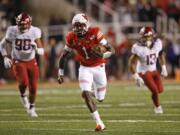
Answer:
(127, 110)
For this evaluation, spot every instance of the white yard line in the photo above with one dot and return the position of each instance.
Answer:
(77, 106)
(88, 115)
(60, 129)
(85, 121)
(80, 106)
(73, 91)
(166, 87)
(131, 104)
(42, 92)
(91, 130)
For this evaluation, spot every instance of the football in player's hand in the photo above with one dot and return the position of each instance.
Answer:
(99, 49)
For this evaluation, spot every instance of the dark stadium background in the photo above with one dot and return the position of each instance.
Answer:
(120, 21)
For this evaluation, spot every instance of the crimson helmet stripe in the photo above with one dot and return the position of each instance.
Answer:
(146, 31)
(80, 24)
(23, 18)
(85, 17)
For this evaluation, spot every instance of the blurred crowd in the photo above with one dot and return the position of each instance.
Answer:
(142, 10)
(128, 10)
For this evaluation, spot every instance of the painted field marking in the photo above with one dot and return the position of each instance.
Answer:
(88, 115)
(84, 121)
(91, 130)
(77, 91)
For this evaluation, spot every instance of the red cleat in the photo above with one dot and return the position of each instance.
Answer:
(100, 128)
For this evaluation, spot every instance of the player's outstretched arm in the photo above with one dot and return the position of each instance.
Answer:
(132, 63)
(7, 61)
(162, 62)
(110, 50)
(62, 62)
(38, 46)
(132, 68)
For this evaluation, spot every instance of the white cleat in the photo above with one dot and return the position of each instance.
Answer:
(158, 110)
(25, 102)
(32, 112)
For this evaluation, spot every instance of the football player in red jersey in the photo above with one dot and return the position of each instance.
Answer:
(25, 42)
(82, 40)
(142, 64)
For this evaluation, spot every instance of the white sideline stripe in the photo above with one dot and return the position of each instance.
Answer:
(132, 104)
(103, 115)
(61, 129)
(82, 121)
(43, 92)
(85, 130)
(166, 87)
(75, 91)
(80, 106)
(74, 106)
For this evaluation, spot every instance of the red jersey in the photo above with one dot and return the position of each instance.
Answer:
(82, 46)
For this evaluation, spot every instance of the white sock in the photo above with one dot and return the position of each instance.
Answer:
(96, 117)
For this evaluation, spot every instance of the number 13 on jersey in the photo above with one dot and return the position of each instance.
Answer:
(151, 59)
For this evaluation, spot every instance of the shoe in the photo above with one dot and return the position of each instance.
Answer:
(32, 112)
(100, 127)
(25, 102)
(158, 110)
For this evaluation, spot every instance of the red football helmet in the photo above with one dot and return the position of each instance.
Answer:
(147, 36)
(80, 23)
(23, 22)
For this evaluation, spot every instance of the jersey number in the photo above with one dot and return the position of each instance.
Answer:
(85, 52)
(23, 44)
(151, 59)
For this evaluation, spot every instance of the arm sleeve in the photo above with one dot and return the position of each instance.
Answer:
(2, 47)
(134, 50)
(9, 34)
(37, 33)
(159, 45)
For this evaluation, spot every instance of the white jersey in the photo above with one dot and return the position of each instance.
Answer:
(22, 42)
(147, 56)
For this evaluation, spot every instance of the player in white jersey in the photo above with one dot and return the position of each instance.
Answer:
(142, 64)
(25, 42)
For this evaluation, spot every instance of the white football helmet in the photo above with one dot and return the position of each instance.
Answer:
(147, 36)
(80, 23)
(23, 22)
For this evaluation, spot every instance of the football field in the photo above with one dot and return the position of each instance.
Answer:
(127, 110)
